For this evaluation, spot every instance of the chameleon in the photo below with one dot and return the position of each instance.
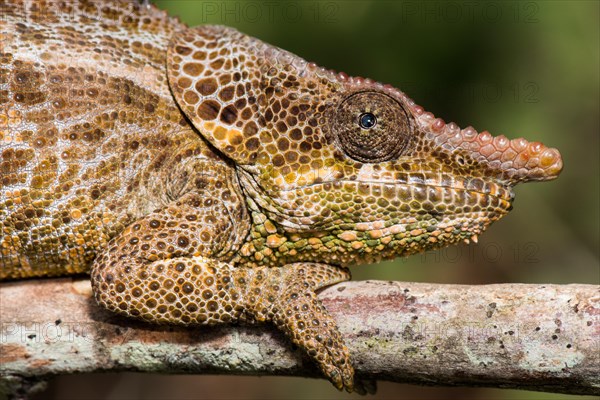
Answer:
(202, 176)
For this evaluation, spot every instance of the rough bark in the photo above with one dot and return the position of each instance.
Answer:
(536, 337)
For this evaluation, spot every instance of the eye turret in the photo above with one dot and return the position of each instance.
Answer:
(371, 127)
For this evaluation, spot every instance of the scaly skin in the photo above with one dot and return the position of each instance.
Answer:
(207, 177)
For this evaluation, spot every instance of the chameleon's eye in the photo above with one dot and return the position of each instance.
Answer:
(367, 120)
(383, 130)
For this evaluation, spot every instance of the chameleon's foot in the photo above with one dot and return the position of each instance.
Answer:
(302, 317)
(297, 312)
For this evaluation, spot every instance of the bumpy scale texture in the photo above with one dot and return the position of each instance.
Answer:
(206, 177)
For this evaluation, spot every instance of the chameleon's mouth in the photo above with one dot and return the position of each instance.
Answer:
(325, 205)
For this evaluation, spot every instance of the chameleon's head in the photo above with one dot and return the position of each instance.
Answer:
(348, 161)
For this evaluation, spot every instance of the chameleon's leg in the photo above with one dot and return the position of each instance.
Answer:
(168, 268)
(199, 290)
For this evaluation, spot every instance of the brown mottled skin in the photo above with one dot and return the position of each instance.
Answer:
(207, 177)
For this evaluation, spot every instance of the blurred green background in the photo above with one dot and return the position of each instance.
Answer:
(526, 69)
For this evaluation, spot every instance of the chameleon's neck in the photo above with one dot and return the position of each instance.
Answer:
(268, 244)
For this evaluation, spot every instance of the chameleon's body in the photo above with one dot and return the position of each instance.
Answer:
(207, 177)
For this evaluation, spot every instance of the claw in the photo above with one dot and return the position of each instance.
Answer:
(335, 378)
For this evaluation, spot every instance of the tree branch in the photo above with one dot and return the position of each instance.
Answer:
(536, 337)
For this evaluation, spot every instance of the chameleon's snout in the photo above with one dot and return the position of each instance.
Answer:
(515, 161)
(536, 162)
(518, 160)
